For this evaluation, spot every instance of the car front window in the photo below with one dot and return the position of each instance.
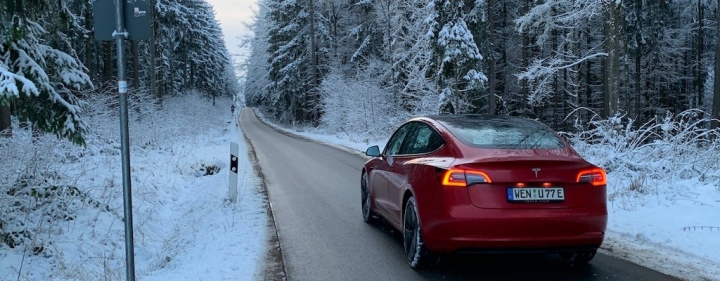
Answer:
(393, 146)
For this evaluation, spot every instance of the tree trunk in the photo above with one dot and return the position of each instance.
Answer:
(555, 83)
(154, 89)
(107, 61)
(5, 130)
(314, 99)
(612, 62)
(89, 63)
(638, 64)
(135, 65)
(491, 58)
(192, 73)
(700, 50)
(716, 86)
(638, 83)
(588, 75)
(524, 86)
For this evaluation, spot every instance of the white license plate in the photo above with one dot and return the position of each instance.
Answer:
(535, 194)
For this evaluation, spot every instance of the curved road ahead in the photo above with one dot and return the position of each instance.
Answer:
(315, 196)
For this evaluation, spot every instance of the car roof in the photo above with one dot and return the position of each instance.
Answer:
(467, 120)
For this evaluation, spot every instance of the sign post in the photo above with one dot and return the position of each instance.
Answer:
(110, 20)
(120, 34)
(232, 188)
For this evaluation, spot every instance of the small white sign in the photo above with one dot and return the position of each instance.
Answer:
(138, 13)
(122, 86)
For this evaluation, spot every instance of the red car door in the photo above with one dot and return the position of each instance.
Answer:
(383, 170)
(421, 141)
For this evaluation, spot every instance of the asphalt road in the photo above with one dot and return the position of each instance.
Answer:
(315, 196)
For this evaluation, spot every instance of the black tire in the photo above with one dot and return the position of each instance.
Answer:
(417, 254)
(578, 258)
(367, 213)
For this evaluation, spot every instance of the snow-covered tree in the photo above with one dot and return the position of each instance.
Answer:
(456, 56)
(553, 76)
(411, 56)
(548, 58)
(255, 65)
(295, 38)
(37, 78)
(195, 56)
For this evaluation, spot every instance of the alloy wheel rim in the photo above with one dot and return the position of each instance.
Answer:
(410, 232)
(365, 198)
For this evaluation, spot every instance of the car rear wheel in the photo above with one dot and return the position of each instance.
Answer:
(367, 213)
(418, 256)
(578, 258)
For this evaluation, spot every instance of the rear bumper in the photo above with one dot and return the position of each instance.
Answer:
(475, 230)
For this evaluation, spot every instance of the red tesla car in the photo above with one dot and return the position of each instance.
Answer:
(485, 184)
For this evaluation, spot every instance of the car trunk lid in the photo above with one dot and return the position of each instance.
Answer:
(530, 183)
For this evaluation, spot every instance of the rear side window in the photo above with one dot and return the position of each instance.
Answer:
(501, 132)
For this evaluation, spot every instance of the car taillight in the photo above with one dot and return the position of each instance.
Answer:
(463, 178)
(595, 177)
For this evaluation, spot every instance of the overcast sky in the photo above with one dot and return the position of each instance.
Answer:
(232, 14)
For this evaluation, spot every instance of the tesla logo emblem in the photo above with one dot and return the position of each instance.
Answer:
(536, 170)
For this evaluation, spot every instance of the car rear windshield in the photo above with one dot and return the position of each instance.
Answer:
(502, 132)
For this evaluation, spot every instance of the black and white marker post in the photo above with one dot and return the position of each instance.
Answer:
(232, 188)
(111, 18)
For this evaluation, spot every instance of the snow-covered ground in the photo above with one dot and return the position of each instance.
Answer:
(62, 204)
(662, 217)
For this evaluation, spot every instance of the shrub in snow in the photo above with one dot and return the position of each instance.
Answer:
(358, 107)
(61, 204)
(37, 194)
(652, 155)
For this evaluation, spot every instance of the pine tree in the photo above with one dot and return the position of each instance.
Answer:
(255, 65)
(294, 70)
(38, 78)
(411, 55)
(195, 56)
(456, 56)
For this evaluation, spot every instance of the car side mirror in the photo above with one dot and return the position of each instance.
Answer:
(373, 151)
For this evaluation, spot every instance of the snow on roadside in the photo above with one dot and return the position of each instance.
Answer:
(222, 241)
(675, 232)
(185, 229)
(672, 227)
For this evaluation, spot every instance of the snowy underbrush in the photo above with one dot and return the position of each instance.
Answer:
(359, 110)
(654, 157)
(61, 207)
(663, 191)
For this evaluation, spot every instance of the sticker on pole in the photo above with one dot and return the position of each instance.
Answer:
(122, 86)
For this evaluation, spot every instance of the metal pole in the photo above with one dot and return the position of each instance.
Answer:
(121, 35)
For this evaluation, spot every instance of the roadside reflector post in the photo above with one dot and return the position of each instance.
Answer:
(232, 187)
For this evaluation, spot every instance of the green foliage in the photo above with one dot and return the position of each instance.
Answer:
(37, 78)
